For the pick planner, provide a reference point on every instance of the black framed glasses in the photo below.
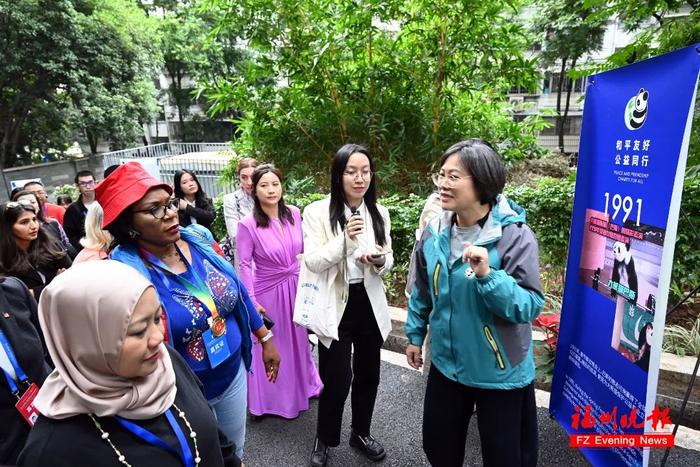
(158, 211)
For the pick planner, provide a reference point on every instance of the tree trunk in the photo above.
(12, 133)
(373, 145)
(16, 137)
(566, 108)
(3, 153)
(180, 107)
(338, 105)
(439, 79)
(560, 121)
(92, 141)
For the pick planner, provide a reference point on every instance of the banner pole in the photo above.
(697, 361)
(696, 289)
(682, 411)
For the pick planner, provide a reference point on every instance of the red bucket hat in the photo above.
(124, 187)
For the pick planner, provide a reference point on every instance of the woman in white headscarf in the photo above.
(118, 396)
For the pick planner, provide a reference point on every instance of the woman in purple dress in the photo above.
(271, 237)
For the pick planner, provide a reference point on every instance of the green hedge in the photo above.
(686, 274)
(548, 202)
(404, 212)
(548, 205)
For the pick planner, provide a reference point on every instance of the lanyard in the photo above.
(21, 375)
(185, 453)
(199, 290)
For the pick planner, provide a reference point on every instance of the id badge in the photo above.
(217, 348)
(25, 405)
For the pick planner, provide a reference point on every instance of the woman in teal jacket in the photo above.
(475, 280)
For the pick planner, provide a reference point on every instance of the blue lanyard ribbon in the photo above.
(21, 375)
(185, 453)
(197, 288)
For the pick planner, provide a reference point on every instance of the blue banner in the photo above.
(634, 145)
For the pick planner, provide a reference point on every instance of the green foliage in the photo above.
(395, 283)
(685, 274)
(406, 77)
(189, 58)
(549, 204)
(681, 340)
(404, 212)
(182, 35)
(70, 66)
(37, 58)
(47, 130)
(301, 201)
(218, 227)
(68, 189)
(658, 28)
(544, 363)
(120, 58)
(567, 30)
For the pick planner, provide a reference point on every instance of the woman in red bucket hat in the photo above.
(210, 314)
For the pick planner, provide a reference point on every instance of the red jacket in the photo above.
(55, 211)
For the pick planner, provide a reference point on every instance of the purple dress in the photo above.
(273, 285)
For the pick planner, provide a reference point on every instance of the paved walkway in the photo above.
(272, 441)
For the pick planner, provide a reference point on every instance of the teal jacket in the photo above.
(480, 327)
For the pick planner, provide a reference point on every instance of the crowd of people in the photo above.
(154, 342)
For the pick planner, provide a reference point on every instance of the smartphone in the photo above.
(381, 253)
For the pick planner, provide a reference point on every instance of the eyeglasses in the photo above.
(87, 184)
(158, 212)
(364, 175)
(448, 180)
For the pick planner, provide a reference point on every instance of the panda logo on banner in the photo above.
(636, 110)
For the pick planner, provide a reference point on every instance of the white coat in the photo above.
(323, 250)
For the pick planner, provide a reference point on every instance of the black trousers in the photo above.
(507, 421)
(357, 331)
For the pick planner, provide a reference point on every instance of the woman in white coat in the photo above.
(350, 232)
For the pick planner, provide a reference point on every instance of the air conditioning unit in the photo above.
(516, 100)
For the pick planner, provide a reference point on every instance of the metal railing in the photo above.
(206, 160)
(571, 142)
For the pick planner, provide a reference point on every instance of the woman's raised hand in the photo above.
(355, 226)
(478, 258)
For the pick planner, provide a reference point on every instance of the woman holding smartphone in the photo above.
(350, 232)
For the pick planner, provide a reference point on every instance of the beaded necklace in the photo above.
(122, 458)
